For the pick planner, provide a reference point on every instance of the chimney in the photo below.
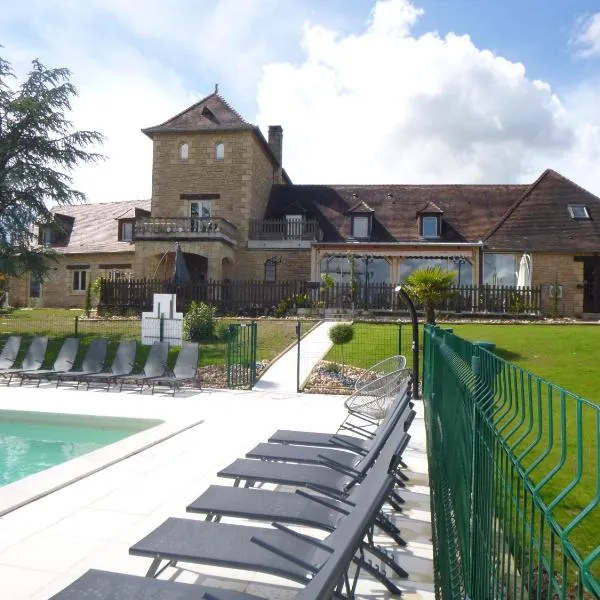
(276, 145)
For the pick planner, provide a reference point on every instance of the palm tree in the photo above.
(430, 287)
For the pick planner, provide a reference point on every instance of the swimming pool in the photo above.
(31, 442)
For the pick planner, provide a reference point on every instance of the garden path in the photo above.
(281, 375)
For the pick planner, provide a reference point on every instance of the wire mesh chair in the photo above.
(374, 398)
(383, 367)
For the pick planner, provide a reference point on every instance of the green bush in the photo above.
(342, 333)
(222, 331)
(283, 307)
(199, 322)
(333, 367)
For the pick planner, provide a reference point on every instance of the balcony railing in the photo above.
(160, 228)
(284, 229)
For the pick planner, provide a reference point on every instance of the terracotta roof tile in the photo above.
(96, 228)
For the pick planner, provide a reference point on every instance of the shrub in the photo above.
(199, 322)
(283, 307)
(87, 304)
(332, 368)
(342, 333)
(222, 331)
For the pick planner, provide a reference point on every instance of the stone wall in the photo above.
(291, 265)
(549, 269)
(57, 290)
(242, 179)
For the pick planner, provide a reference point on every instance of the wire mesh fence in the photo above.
(338, 366)
(515, 478)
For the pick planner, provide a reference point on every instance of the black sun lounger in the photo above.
(184, 371)
(105, 585)
(9, 353)
(301, 507)
(331, 480)
(93, 362)
(64, 362)
(122, 364)
(155, 366)
(361, 442)
(33, 359)
(278, 550)
(331, 580)
(343, 458)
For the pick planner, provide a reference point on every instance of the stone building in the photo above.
(219, 189)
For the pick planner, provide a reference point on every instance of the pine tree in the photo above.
(38, 152)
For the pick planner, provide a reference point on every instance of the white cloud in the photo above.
(587, 36)
(385, 106)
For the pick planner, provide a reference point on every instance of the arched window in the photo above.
(271, 270)
(184, 151)
(220, 151)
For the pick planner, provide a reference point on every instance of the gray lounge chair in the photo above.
(184, 371)
(154, 367)
(93, 362)
(361, 442)
(301, 507)
(64, 362)
(10, 351)
(343, 457)
(279, 550)
(34, 358)
(106, 585)
(335, 480)
(122, 365)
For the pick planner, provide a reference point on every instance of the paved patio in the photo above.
(46, 544)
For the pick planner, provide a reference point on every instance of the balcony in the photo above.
(190, 228)
(283, 233)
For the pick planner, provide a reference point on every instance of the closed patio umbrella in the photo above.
(181, 275)
(524, 274)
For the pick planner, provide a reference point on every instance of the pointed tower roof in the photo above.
(212, 113)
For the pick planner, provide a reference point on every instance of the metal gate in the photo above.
(241, 355)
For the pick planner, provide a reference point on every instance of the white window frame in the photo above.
(220, 151)
(430, 219)
(356, 219)
(124, 224)
(579, 212)
(79, 280)
(184, 151)
(204, 209)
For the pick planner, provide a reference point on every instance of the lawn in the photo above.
(273, 336)
(567, 355)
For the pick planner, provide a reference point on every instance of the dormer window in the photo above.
(430, 221)
(430, 226)
(220, 151)
(126, 230)
(361, 226)
(184, 150)
(579, 212)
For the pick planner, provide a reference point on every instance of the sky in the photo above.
(387, 91)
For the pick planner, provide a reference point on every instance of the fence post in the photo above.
(399, 338)
(161, 328)
(298, 332)
(253, 354)
(76, 325)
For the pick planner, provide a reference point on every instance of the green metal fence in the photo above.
(515, 478)
(241, 355)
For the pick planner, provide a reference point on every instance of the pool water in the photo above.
(31, 442)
